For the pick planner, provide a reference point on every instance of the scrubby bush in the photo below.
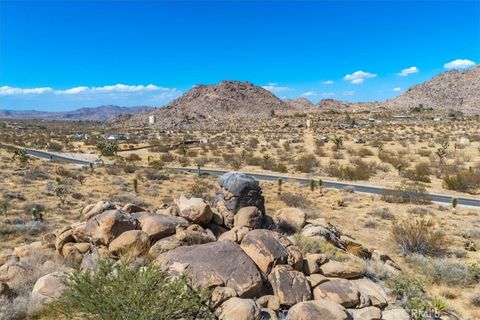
(306, 163)
(358, 170)
(295, 200)
(466, 180)
(383, 213)
(127, 291)
(107, 148)
(407, 192)
(133, 157)
(419, 236)
(421, 172)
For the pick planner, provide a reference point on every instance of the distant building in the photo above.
(151, 119)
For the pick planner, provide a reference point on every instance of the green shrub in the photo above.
(127, 291)
(107, 148)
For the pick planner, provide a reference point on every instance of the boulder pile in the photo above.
(231, 247)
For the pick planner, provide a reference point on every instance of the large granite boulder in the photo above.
(195, 210)
(238, 191)
(48, 288)
(238, 309)
(221, 263)
(317, 309)
(269, 248)
(159, 226)
(104, 227)
(340, 291)
(132, 242)
(290, 286)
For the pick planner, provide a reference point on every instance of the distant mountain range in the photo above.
(101, 113)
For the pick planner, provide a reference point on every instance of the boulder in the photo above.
(105, 227)
(292, 217)
(195, 210)
(133, 242)
(91, 261)
(93, 210)
(373, 291)
(340, 270)
(71, 253)
(48, 240)
(317, 309)
(132, 208)
(63, 238)
(238, 191)
(238, 309)
(269, 301)
(290, 286)
(368, 313)
(48, 288)
(5, 290)
(340, 291)
(159, 226)
(316, 279)
(27, 249)
(78, 232)
(268, 248)
(249, 217)
(312, 262)
(164, 245)
(221, 263)
(219, 295)
(236, 234)
(189, 237)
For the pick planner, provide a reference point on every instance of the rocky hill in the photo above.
(207, 106)
(300, 104)
(449, 91)
(252, 265)
(332, 104)
(101, 113)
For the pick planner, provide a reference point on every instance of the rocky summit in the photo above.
(211, 105)
(250, 266)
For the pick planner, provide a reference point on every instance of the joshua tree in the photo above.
(107, 148)
(454, 202)
(21, 154)
(61, 191)
(198, 169)
(280, 182)
(320, 184)
(90, 165)
(135, 185)
(37, 213)
(442, 151)
(4, 206)
(338, 141)
(312, 185)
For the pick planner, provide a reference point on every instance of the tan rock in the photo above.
(317, 309)
(368, 313)
(190, 237)
(293, 217)
(5, 290)
(312, 262)
(290, 286)
(249, 217)
(220, 294)
(195, 210)
(340, 270)
(105, 227)
(27, 249)
(71, 253)
(48, 288)
(340, 291)
(132, 242)
(132, 208)
(164, 245)
(238, 309)
(373, 291)
(395, 314)
(159, 226)
(236, 234)
(269, 301)
(63, 238)
(220, 263)
(48, 240)
(316, 279)
(93, 210)
(78, 232)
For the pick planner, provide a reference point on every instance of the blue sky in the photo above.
(61, 55)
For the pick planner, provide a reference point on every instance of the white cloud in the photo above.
(328, 82)
(349, 93)
(73, 90)
(328, 94)
(359, 76)
(405, 72)
(9, 91)
(309, 94)
(397, 89)
(459, 64)
(274, 88)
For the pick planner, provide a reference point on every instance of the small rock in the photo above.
(369, 313)
(340, 270)
(269, 301)
(133, 242)
(340, 291)
(317, 309)
(238, 309)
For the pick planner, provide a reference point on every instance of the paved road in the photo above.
(444, 199)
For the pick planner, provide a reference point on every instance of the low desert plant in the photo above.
(419, 236)
(130, 291)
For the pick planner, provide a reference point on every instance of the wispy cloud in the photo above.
(359, 76)
(328, 94)
(328, 82)
(405, 72)
(459, 64)
(309, 94)
(117, 88)
(275, 88)
(8, 91)
(349, 93)
(397, 89)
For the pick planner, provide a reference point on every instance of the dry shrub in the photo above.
(421, 172)
(419, 236)
(464, 180)
(358, 170)
(306, 163)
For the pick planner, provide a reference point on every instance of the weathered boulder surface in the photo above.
(269, 248)
(368, 313)
(317, 309)
(159, 226)
(340, 291)
(290, 286)
(293, 217)
(221, 263)
(395, 314)
(95, 209)
(250, 217)
(341, 270)
(195, 210)
(48, 288)
(105, 227)
(373, 291)
(135, 242)
(238, 309)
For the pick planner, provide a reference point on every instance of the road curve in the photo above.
(444, 199)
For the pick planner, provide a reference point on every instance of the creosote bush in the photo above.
(419, 236)
(129, 291)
